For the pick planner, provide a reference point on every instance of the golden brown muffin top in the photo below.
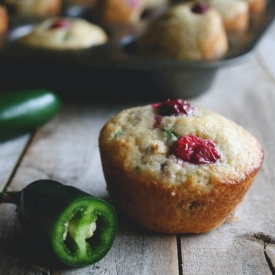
(182, 33)
(229, 9)
(140, 141)
(65, 33)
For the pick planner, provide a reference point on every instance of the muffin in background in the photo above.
(235, 14)
(65, 33)
(256, 6)
(4, 19)
(35, 8)
(191, 30)
(174, 168)
(119, 11)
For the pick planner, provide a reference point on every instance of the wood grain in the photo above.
(10, 152)
(265, 52)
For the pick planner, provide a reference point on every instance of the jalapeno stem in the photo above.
(10, 197)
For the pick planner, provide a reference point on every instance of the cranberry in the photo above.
(60, 23)
(195, 150)
(200, 8)
(174, 107)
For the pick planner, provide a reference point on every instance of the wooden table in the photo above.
(66, 149)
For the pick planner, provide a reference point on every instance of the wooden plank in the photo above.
(223, 252)
(270, 252)
(10, 152)
(244, 94)
(10, 241)
(67, 150)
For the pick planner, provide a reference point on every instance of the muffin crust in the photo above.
(76, 34)
(164, 194)
(180, 33)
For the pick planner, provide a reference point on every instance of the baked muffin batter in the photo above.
(234, 13)
(65, 33)
(4, 19)
(170, 186)
(256, 6)
(185, 31)
(119, 11)
(35, 7)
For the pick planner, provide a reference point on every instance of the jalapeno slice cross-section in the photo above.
(80, 227)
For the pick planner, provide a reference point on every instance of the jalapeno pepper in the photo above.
(80, 227)
(25, 110)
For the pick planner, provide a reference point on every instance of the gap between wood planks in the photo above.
(18, 161)
(259, 237)
(266, 240)
(179, 255)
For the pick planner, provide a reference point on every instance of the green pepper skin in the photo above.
(25, 110)
(46, 206)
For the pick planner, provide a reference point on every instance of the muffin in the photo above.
(119, 11)
(4, 19)
(65, 33)
(174, 168)
(35, 7)
(256, 6)
(190, 30)
(234, 13)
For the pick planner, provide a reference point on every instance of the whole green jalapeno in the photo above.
(79, 226)
(25, 110)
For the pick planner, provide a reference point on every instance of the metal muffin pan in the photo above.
(115, 70)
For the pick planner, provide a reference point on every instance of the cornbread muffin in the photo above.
(174, 168)
(65, 33)
(256, 6)
(185, 31)
(4, 19)
(234, 13)
(35, 7)
(119, 11)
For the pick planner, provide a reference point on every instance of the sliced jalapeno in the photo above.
(80, 227)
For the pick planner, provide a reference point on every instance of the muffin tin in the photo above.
(115, 70)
